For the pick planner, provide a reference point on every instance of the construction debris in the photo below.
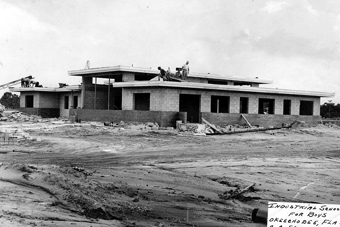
(212, 126)
(237, 193)
(19, 117)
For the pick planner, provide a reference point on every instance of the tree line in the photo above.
(330, 110)
(10, 101)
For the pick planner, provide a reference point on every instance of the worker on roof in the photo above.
(178, 73)
(162, 73)
(26, 81)
(185, 69)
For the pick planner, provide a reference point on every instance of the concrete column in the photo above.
(253, 104)
(36, 100)
(82, 94)
(316, 106)
(278, 106)
(108, 95)
(205, 102)
(295, 108)
(127, 99)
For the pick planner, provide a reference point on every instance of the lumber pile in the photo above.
(232, 129)
(237, 193)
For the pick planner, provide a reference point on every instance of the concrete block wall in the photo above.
(49, 100)
(43, 112)
(100, 93)
(158, 98)
(101, 100)
(234, 104)
(36, 98)
(163, 118)
(162, 99)
(91, 91)
(127, 99)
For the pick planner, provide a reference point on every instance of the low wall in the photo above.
(163, 118)
(264, 120)
(326, 121)
(43, 112)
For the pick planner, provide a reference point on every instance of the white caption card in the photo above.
(302, 215)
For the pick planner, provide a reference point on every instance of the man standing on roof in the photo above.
(185, 69)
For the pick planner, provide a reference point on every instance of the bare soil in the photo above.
(87, 175)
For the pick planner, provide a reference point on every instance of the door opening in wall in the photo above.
(266, 106)
(116, 98)
(191, 105)
(29, 101)
(66, 102)
(287, 107)
(244, 103)
(75, 102)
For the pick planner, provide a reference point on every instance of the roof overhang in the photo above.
(104, 72)
(45, 89)
(190, 85)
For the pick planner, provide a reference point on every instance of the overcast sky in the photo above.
(293, 42)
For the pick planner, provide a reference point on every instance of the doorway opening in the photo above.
(191, 105)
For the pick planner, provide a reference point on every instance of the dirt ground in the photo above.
(88, 175)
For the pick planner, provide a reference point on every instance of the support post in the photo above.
(108, 95)
(95, 93)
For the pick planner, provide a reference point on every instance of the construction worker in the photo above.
(185, 69)
(161, 73)
(178, 73)
(26, 81)
(169, 74)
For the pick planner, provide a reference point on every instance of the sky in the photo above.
(295, 43)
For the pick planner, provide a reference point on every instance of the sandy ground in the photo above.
(84, 175)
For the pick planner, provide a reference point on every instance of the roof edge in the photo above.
(150, 70)
(191, 85)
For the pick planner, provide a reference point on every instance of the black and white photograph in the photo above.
(159, 113)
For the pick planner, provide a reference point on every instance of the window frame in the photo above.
(220, 104)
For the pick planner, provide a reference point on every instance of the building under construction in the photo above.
(136, 94)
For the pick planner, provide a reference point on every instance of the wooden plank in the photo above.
(211, 126)
(246, 120)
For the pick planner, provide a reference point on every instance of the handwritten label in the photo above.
(302, 215)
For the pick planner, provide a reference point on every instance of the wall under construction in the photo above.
(43, 112)
(264, 120)
(163, 118)
(168, 99)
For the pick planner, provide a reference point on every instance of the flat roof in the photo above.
(120, 68)
(46, 89)
(205, 86)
